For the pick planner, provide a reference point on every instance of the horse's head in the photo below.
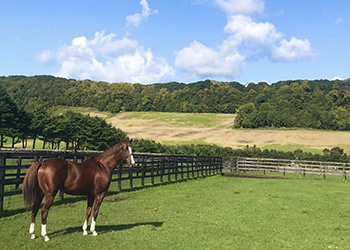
(126, 152)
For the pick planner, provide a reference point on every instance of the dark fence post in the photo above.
(152, 170)
(162, 167)
(131, 177)
(2, 180)
(206, 166)
(182, 158)
(120, 175)
(202, 167)
(18, 174)
(175, 167)
(168, 167)
(143, 169)
(197, 166)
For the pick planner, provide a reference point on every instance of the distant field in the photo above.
(203, 128)
(193, 128)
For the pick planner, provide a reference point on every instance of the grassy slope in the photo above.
(188, 128)
(211, 213)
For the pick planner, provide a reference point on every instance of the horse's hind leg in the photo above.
(35, 209)
(49, 198)
(90, 201)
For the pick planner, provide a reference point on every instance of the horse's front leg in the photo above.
(98, 201)
(90, 201)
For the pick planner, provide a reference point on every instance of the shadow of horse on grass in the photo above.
(106, 228)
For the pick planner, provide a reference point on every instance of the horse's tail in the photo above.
(30, 187)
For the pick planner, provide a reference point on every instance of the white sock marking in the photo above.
(85, 227)
(92, 227)
(31, 228)
(43, 232)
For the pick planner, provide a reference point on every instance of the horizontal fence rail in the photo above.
(167, 168)
(258, 165)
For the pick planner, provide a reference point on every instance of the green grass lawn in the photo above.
(181, 119)
(211, 213)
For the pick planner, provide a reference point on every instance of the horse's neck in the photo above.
(108, 160)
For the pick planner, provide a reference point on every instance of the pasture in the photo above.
(203, 128)
(206, 213)
(197, 128)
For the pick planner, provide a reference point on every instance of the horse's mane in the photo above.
(111, 151)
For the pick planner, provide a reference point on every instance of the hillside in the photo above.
(206, 128)
(175, 128)
(317, 104)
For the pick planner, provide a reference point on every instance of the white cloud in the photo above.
(292, 50)
(339, 20)
(337, 78)
(107, 58)
(246, 7)
(199, 60)
(244, 28)
(137, 18)
(247, 40)
(45, 56)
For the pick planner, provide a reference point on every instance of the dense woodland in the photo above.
(24, 104)
(74, 130)
(319, 104)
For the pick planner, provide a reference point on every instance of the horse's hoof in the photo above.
(85, 232)
(46, 239)
(32, 236)
(94, 233)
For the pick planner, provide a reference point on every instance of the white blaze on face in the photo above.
(132, 157)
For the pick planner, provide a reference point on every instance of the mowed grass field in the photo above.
(211, 213)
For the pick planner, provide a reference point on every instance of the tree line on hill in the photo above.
(24, 102)
(331, 155)
(318, 104)
(70, 130)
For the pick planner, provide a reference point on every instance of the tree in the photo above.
(39, 120)
(9, 118)
(245, 116)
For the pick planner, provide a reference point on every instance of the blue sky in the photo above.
(151, 41)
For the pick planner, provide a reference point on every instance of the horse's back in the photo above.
(73, 178)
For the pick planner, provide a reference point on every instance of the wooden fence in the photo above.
(263, 165)
(167, 168)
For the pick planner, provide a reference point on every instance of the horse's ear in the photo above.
(131, 141)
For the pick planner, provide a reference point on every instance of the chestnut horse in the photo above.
(91, 177)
